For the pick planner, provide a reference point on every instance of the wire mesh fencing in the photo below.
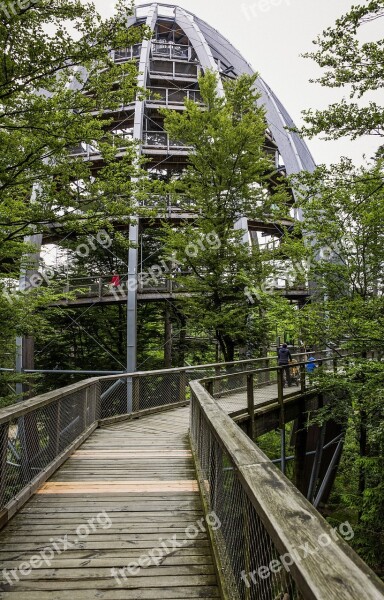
(244, 546)
(270, 542)
(35, 436)
(121, 395)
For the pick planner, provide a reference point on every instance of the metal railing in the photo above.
(272, 543)
(169, 96)
(100, 287)
(169, 203)
(149, 389)
(160, 139)
(173, 69)
(124, 54)
(172, 51)
(37, 435)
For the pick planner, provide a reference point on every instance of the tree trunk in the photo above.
(363, 446)
(167, 337)
(227, 346)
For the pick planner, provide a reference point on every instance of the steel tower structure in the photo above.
(182, 46)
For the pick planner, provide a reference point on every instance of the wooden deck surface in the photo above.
(238, 400)
(132, 487)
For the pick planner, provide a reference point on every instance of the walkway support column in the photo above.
(133, 252)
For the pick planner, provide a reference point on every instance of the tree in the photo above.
(354, 65)
(343, 224)
(229, 175)
(57, 78)
(51, 88)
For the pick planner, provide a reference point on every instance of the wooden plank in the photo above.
(153, 593)
(142, 413)
(103, 487)
(167, 581)
(141, 473)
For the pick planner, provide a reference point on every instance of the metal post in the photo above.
(132, 309)
(134, 227)
(317, 459)
(328, 474)
(251, 407)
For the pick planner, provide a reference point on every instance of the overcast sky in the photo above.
(271, 35)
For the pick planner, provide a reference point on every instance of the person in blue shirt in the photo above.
(311, 366)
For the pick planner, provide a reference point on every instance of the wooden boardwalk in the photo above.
(231, 403)
(129, 494)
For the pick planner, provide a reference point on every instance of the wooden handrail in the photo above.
(22, 408)
(335, 571)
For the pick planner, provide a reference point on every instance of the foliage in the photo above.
(350, 63)
(343, 221)
(228, 175)
(56, 79)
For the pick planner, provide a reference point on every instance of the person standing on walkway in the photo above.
(115, 281)
(284, 358)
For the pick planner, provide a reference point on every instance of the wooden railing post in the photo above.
(210, 387)
(301, 438)
(251, 407)
(280, 395)
(303, 384)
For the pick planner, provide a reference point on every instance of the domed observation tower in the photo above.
(182, 46)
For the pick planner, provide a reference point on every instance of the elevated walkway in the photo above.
(97, 290)
(137, 481)
(141, 486)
